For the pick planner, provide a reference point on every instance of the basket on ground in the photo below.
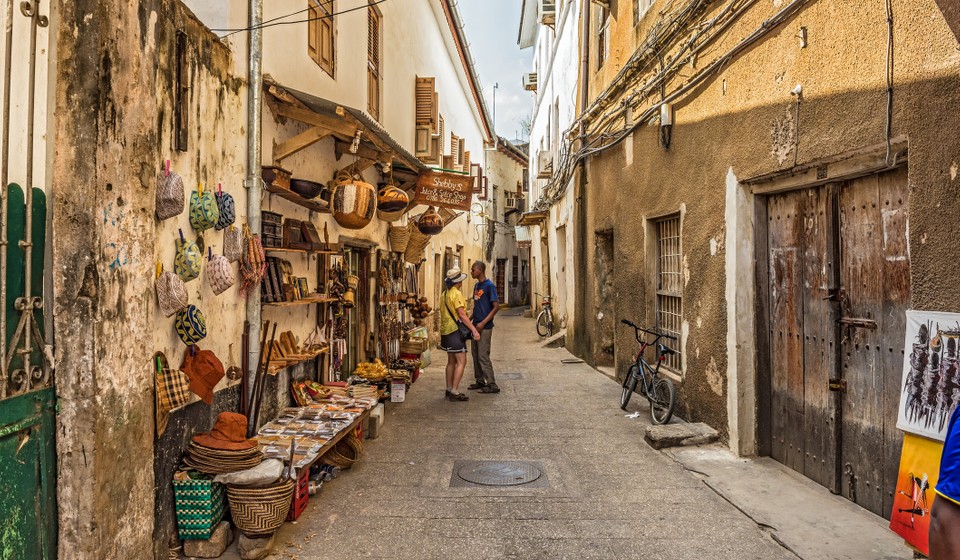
(200, 505)
(259, 512)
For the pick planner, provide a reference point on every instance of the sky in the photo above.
(492, 27)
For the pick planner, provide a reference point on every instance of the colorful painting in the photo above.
(931, 373)
(919, 468)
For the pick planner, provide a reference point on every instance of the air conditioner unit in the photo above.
(510, 201)
(530, 81)
(545, 164)
(548, 12)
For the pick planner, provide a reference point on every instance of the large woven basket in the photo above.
(259, 512)
(391, 216)
(416, 245)
(399, 237)
(345, 453)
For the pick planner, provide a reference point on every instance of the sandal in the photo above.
(458, 397)
(490, 389)
(475, 386)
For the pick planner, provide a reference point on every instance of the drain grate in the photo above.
(527, 474)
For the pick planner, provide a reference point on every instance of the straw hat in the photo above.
(454, 276)
(229, 434)
(205, 370)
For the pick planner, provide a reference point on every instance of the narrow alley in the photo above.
(606, 493)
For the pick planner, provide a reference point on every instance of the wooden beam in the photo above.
(342, 148)
(335, 126)
(306, 138)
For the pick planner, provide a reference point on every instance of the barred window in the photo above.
(669, 282)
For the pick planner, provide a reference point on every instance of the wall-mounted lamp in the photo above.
(666, 125)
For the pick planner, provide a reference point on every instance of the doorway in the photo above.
(560, 305)
(603, 351)
(837, 290)
(500, 282)
(355, 262)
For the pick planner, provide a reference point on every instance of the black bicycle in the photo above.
(659, 391)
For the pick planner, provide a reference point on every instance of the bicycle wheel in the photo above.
(629, 386)
(543, 324)
(662, 401)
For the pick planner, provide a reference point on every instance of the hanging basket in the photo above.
(391, 216)
(353, 202)
(392, 199)
(415, 245)
(430, 222)
(399, 237)
(259, 512)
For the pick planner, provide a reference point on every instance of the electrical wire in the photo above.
(273, 22)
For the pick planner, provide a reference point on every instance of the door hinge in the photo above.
(839, 385)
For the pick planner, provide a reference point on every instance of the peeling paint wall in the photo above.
(114, 111)
(743, 121)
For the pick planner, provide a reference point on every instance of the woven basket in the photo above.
(391, 216)
(259, 512)
(399, 237)
(345, 453)
(354, 203)
(416, 245)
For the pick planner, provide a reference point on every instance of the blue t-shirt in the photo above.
(948, 485)
(484, 296)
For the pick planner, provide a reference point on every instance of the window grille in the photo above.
(669, 305)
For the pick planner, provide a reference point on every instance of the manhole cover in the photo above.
(499, 473)
(509, 376)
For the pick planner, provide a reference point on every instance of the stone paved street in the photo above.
(609, 494)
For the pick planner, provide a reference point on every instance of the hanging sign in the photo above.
(445, 190)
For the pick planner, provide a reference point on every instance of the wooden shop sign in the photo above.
(445, 190)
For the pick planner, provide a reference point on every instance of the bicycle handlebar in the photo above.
(542, 295)
(655, 333)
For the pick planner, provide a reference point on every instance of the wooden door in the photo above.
(875, 279)
(802, 331)
(500, 282)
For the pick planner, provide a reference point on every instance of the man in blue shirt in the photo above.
(486, 304)
(945, 514)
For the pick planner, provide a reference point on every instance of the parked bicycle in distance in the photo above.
(545, 326)
(660, 392)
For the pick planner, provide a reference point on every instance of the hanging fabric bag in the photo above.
(232, 243)
(219, 272)
(191, 325)
(203, 209)
(226, 208)
(171, 292)
(169, 194)
(188, 259)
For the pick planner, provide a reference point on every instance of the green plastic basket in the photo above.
(200, 505)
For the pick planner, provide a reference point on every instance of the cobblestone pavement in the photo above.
(609, 495)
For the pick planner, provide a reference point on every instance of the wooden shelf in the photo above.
(312, 205)
(307, 301)
(276, 366)
(309, 251)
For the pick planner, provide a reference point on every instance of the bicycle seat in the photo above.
(666, 350)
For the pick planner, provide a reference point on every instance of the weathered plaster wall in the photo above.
(505, 174)
(741, 123)
(114, 108)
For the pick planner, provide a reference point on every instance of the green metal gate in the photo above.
(28, 506)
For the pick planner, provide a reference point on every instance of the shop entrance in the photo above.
(837, 289)
(501, 283)
(27, 399)
(603, 351)
(356, 262)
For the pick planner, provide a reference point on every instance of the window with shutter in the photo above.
(373, 61)
(426, 99)
(454, 151)
(440, 134)
(465, 164)
(320, 33)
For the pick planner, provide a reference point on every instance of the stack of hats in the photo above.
(225, 449)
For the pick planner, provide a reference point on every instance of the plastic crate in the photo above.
(301, 495)
(200, 505)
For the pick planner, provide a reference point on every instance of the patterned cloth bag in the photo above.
(169, 194)
(232, 243)
(203, 209)
(172, 391)
(171, 293)
(188, 259)
(191, 325)
(226, 207)
(220, 273)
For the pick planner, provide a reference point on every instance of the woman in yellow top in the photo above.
(452, 313)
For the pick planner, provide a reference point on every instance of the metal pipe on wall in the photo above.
(253, 182)
(580, 193)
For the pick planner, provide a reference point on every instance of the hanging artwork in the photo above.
(913, 498)
(931, 373)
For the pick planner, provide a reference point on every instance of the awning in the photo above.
(532, 218)
(339, 121)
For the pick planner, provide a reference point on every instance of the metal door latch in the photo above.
(835, 294)
(858, 322)
(839, 385)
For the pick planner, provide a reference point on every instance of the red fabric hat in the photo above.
(229, 433)
(204, 370)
